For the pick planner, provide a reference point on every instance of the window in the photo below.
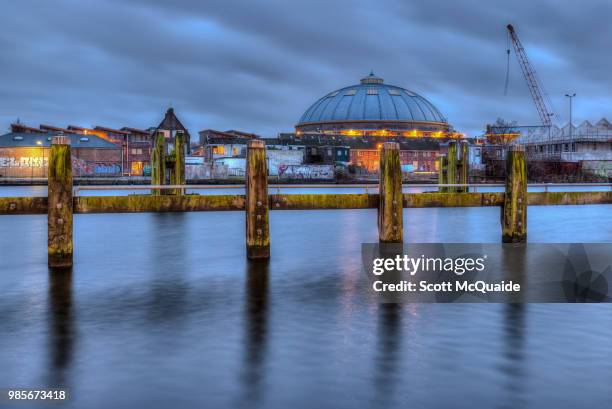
(333, 94)
(350, 92)
(372, 91)
(394, 91)
(573, 146)
(218, 150)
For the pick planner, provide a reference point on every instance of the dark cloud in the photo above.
(257, 66)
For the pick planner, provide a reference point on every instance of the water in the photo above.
(163, 310)
(14, 191)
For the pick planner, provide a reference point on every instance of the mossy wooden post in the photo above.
(390, 221)
(178, 175)
(59, 216)
(442, 167)
(463, 169)
(514, 210)
(257, 225)
(158, 163)
(451, 166)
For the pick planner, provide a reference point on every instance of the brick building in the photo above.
(134, 144)
(25, 155)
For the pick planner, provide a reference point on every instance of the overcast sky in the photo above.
(258, 65)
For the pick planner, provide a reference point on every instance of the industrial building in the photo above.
(134, 144)
(97, 151)
(25, 155)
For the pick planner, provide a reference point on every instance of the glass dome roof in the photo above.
(371, 100)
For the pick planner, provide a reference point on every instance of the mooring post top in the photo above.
(391, 145)
(256, 143)
(60, 139)
(517, 148)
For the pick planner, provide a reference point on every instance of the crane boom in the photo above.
(530, 76)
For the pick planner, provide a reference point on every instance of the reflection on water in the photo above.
(163, 310)
(388, 361)
(61, 322)
(255, 324)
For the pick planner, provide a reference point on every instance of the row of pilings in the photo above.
(391, 201)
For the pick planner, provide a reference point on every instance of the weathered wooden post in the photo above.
(514, 210)
(178, 175)
(257, 224)
(463, 169)
(59, 216)
(451, 166)
(390, 218)
(443, 166)
(158, 163)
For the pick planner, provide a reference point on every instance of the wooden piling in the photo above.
(451, 166)
(158, 163)
(256, 204)
(443, 166)
(178, 174)
(390, 219)
(514, 210)
(59, 209)
(463, 168)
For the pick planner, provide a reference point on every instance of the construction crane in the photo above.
(543, 106)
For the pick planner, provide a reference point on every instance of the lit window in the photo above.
(394, 91)
(350, 92)
(372, 91)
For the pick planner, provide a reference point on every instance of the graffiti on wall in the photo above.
(24, 162)
(306, 171)
(79, 166)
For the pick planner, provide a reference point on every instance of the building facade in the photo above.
(25, 155)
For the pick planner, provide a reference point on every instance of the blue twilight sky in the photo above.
(257, 65)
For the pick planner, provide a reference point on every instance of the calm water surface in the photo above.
(163, 310)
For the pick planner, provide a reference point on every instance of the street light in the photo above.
(571, 96)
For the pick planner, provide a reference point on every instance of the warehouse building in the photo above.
(25, 155)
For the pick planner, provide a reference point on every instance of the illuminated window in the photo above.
(350, 92)
(394, 91)
(372, 91)
(219, 150)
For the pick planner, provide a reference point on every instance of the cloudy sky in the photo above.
(258, 65)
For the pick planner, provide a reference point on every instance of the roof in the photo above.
(111, 130)
(22, 139)
(372, 100)
(171, 122)
(135, 130)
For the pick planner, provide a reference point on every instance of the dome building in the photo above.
(373, 108)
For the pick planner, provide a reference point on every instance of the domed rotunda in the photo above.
(373, 108)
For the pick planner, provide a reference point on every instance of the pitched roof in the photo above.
(171, 122)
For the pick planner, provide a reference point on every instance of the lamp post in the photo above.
(571, 96)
